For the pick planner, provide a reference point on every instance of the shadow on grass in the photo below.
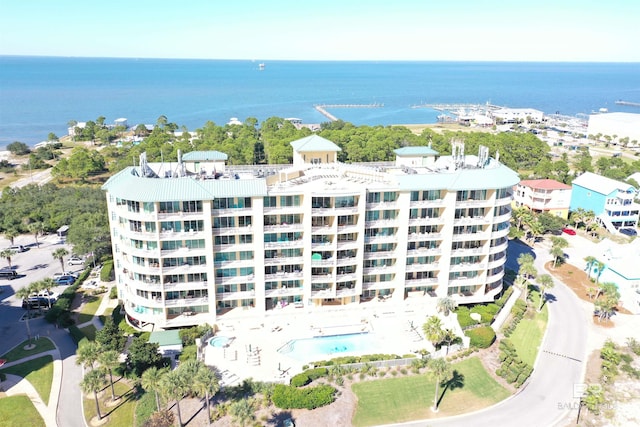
(456, 381)
(131, 394)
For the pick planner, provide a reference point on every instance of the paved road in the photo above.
(548, 398)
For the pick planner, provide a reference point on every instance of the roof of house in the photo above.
(415, 151)
(199, 156)
(166, 338)
(544, 184)
(314, 143)
(600, 184)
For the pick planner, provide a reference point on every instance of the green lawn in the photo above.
(527, 336)
(90, 307)
(42, 345)
(396, 400)
(18, 411)
(120, 415)
(39, 372)
(89, 331)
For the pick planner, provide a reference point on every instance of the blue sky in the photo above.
(541, 30)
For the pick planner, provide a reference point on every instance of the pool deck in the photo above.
(253, 352)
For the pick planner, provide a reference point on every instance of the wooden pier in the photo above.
(321, 108)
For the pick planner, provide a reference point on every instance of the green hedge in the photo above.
(288, 397)
(59, 312)
(481, 337)
(345, 360)
(517, 313)
(307, 376)
(512, 368)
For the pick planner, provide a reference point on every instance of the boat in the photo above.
(261, 66)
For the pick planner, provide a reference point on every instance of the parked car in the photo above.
(18, 248)
(64, 273)
(35, 302)
(569, 231)
(7, 273)
(50, 295)
(75, 260)
(65, 280)
(628, 231)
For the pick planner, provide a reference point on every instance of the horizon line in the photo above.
(321, 60)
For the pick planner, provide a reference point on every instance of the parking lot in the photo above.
(34, 264)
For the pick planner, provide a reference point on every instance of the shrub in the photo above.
(481, 337)
(288, 397)
(307, 376)
(160, 419)
(464, 317)
(113, 293)
(188, 352)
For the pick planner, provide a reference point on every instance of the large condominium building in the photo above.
(196, 239)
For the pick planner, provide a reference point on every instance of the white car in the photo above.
(75, 261)
(64, 273)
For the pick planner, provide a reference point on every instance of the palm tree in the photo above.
(433, 330)
(545, 282)
(110, 360)
(448, 336)
(59, 254)
(599, 267)
(152, 380)
(175, 385)
(557, 253)
(24, 294)
(93, 382)
(242, 411)
(446, 305)
(206, 383)
(526, 271)
(10, 234)
(591, 260)
(36, 228)
(441, 370)
(7, 254)
(87, 353)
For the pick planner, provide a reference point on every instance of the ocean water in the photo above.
(39, 95)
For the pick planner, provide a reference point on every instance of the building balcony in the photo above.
(143, 253)
(284, 244)
(371, 286)
(381, 206)
(347, 292)
(245, 211)
(232, 231)
(422, 267)
(283, 210)
(500, 248)
(322, 246)
(186, 302)
(472, 203)
(427, 203)
(378, 223)
(382, 269)
(495, 277)
(423, 252)
(236, 263)
(185, 286)
(185, 269)
(234, 280)
(465, 237)
(320, 262)
(381, 254)
(346, 277)
(345, 261)
(283, 292)
(504, 200)
(467, 251)
(145, 302)
(464, 281)
(176, 216)
(282, 260)
(496, 263)
(471, 220)
(324, 229)
(325, 293)
(468, 266)
(426, 221)
(283, 275)
(173, 235)
(425, 281)
(351, 228)
(182, 252)
(144, 285)
(143, 315)
(422, 237)
(235, 247)
(322, 278)
(502, 218)
(380, 239)
(283, 228)
(347, 244)
(227, 296)
(500, 233)
(137, 233)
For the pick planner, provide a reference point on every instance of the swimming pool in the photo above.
(310, 349)
(219, 341)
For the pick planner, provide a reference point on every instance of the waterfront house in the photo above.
(544, 195)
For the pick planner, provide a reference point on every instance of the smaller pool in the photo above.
(219, 341)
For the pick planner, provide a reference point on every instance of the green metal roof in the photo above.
(461, 179)
(128, 186)
(415, 151)
(201, 156)
(314, 143)
(164, 338)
